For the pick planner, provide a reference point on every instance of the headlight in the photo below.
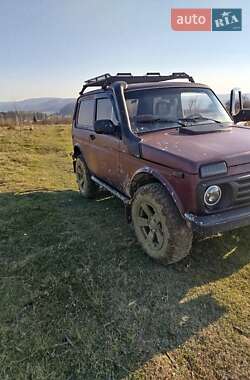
(212, 195)
(213, 169)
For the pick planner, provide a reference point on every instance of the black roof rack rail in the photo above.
(124, 74)
(107, 79)
(154, 73)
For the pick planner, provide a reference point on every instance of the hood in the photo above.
(188, 152)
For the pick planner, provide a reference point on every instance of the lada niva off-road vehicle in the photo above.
(170, 150)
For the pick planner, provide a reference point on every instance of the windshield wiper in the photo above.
(196, 118)
(149, 119)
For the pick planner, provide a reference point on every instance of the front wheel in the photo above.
(158, 225)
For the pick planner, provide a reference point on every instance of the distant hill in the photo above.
(45, 105)
(68, 109)
(61, 106)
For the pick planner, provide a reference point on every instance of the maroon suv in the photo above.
(170, 150)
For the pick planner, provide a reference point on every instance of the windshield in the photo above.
(154, 109)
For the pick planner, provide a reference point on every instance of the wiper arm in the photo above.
(194, 119)
(148, 119)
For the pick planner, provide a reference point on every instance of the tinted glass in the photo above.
(86, 113)
(105, 110)
(155, 109)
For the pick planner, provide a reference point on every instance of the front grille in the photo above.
(242, 191)
(235, 193)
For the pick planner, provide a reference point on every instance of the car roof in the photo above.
(168, 84)
(152, 85)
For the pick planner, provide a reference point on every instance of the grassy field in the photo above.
(80, 300)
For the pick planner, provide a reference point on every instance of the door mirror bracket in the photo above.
(242, 115)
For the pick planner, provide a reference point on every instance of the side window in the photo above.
(132, 106)
(85, 117)
(105, 110)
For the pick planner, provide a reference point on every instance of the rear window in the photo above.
(86, 114)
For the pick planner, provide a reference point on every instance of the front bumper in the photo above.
(223, 221)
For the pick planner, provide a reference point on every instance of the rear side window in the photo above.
(85, 117)
(105, 110)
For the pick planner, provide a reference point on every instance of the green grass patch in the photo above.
(80, 300)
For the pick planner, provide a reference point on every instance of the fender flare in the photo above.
(163, 181)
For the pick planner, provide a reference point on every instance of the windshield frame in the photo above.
(182, 89)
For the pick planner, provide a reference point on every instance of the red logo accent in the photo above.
(191, 19)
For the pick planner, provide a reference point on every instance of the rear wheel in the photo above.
(158, 225)
(87, 187)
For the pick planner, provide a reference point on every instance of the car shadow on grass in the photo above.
(86, 300)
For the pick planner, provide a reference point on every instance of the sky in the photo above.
(49, 47)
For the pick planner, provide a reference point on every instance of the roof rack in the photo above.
(107, 79)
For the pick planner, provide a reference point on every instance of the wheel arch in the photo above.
(77, 151)
(148, 175)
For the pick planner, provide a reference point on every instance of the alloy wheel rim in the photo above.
(150, 225)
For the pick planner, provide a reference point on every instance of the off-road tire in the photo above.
(87, 187)
(170, 238)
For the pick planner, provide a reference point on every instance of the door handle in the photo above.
(92, 137)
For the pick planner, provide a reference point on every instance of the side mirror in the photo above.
(235, 101)
(105, 127)
(236, 107)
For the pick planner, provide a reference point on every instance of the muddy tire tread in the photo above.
(180, 240)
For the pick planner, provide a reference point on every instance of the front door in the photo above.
(104, 149)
